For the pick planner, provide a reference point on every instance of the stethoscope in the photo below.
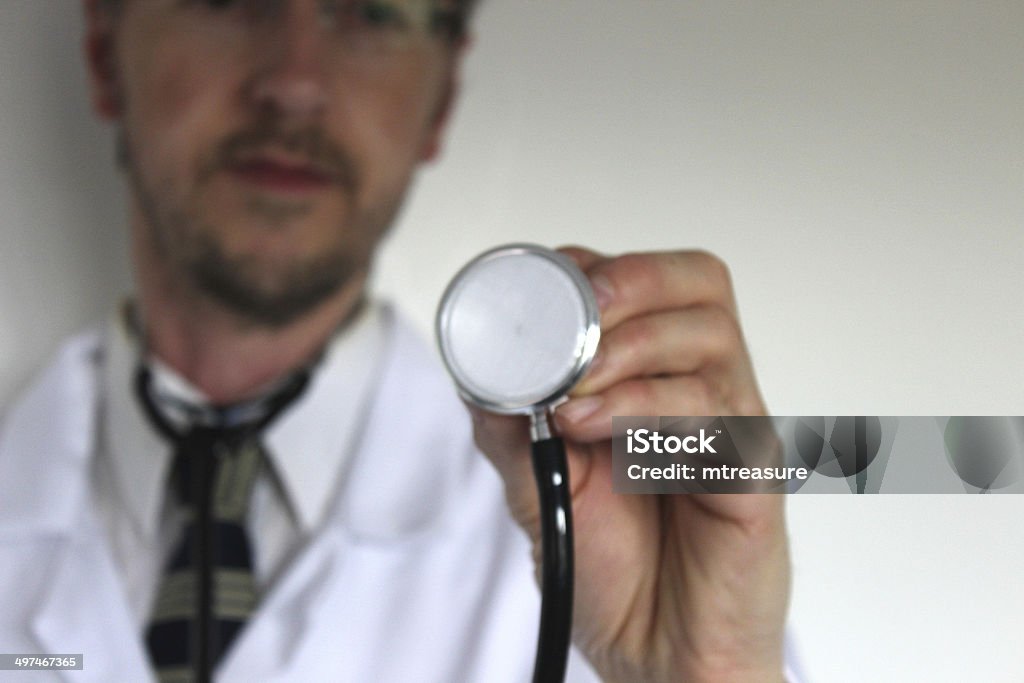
(518, 327)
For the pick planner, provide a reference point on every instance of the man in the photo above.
(268, 145)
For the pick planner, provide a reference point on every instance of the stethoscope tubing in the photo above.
(551, 472)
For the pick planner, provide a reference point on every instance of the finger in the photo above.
(634, 284)
(674, 342)
(506, 443)
(584, 258)
(589, 418)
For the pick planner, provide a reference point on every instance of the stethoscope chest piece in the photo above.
(518, 326)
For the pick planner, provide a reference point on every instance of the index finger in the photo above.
(641, 283)
(584, 258)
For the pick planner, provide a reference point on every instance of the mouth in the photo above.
(282, 175)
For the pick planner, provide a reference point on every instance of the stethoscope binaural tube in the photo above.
(518, 327)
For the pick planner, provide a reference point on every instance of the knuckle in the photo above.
(634, 269)
(637, 335)
(699, 397)
(724, 331)
(714, 270)
(638, 398)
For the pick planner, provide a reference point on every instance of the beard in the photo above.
(263, 290)
(242, 284)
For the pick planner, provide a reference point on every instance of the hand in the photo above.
(668, 588)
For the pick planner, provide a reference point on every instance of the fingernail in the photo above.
(572, 255)
(592, 372)
(602, 287)
(579, 409)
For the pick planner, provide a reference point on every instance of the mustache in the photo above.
(309, 145)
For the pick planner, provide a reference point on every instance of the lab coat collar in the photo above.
(307, 458)
(45, 443)
(399, 485)
(139, 457)
(311, 443)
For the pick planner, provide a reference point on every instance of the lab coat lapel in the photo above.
(45, 444)
(84, 611)
(271, 641)
(375, 515)
(45, 449)
(391, 493)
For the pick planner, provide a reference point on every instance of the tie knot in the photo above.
(203, 426)
(217, 441)
(217, 465)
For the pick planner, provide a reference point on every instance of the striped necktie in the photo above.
(208, 591)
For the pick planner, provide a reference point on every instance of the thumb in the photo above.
(505, 441)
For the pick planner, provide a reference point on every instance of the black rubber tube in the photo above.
(203, 472)
(555, 635)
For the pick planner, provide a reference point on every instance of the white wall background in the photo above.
(859, 164)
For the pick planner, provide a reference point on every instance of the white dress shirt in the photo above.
(290, 497)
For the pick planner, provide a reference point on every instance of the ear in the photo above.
(446, 103)
(101, 59)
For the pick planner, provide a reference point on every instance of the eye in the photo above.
(211, 5)
(376, 14)
(447, 22)
(249, 9)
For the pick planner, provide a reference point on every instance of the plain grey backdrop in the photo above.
(860, 166)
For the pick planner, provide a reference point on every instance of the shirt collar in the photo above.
(308, 445)
(312, 442)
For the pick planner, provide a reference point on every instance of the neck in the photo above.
(225, 356)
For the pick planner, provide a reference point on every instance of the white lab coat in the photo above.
(417, 575)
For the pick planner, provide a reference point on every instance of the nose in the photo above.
(290, 80)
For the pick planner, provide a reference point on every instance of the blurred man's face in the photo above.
(270, 142)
